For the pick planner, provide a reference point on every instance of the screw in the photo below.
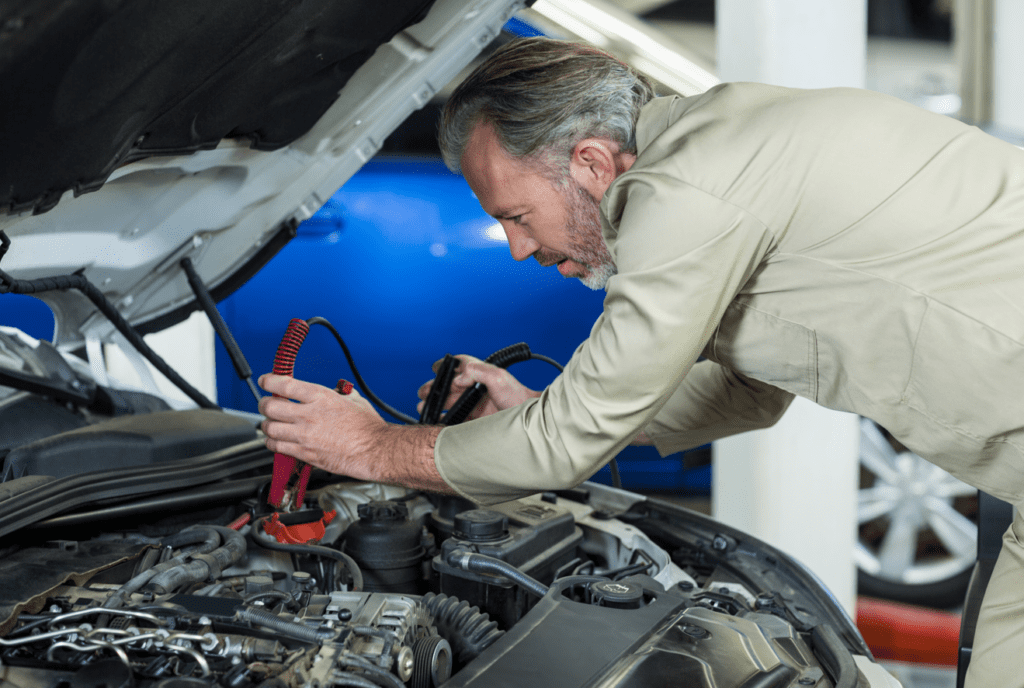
(807, 682)
(720, 543)
(694, 631)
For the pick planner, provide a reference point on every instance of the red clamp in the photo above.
(288, 483)
(291, 475)
(298, 533)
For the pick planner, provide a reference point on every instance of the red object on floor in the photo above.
(905, 633)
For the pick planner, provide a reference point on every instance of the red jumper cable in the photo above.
(290, 475)
(288, 483)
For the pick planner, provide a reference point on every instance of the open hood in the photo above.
(200, 131)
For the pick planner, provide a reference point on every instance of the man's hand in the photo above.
(345, 435)
(503, 390)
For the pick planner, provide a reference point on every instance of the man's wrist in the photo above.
(404, 455)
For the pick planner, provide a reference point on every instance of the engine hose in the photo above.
(468, 630)
(481, 563)
(292, 629)
(202, 567)
(208, 541)
(265, 540)
(465, 404)
(103, 304)
(373, 674)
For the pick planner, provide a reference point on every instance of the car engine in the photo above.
(383, 587)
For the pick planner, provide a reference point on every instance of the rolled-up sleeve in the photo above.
(682, 255)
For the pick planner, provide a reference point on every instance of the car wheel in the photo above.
(918, 529)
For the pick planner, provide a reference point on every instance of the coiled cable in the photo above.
(465, 404)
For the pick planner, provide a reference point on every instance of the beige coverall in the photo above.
(839, 245)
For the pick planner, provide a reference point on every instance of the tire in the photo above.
(917, 526)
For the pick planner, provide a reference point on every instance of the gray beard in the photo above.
(586, 241)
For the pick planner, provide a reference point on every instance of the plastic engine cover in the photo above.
(563, 643)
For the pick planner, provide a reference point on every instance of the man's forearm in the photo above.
(405, 456)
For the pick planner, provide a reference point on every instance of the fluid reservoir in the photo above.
(388, 548)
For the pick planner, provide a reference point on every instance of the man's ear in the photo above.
(596, 162)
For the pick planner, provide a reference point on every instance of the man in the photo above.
(838, 245)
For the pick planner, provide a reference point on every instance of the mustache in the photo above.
(548, 258)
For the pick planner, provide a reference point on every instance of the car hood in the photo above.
(145, 133)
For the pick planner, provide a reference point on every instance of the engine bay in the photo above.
(397, 588)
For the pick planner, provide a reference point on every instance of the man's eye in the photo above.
(517, 219)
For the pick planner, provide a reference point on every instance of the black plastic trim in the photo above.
(205, 496)
(765, 566)
(835, 657)
(66, 494)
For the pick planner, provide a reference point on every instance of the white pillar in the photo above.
(1008, 65)
(188, 347)
(794, 485)
(799, 43)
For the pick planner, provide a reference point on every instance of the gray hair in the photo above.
(542, 97)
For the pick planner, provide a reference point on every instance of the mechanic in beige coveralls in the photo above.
(839, 245)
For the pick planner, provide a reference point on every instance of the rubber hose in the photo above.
(291, 629)
(206, 538)
(379, 675)
(270, 542)
(348, 680)
(481, 563)
(468, 630)
(204, 566)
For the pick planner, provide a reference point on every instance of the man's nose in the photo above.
(520, 244)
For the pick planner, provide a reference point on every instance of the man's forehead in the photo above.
(484, 149)
(499, 180)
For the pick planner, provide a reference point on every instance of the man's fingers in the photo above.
(281, 431)
(279, 409)
(290, 388)
(292, 449)
(424, 389)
